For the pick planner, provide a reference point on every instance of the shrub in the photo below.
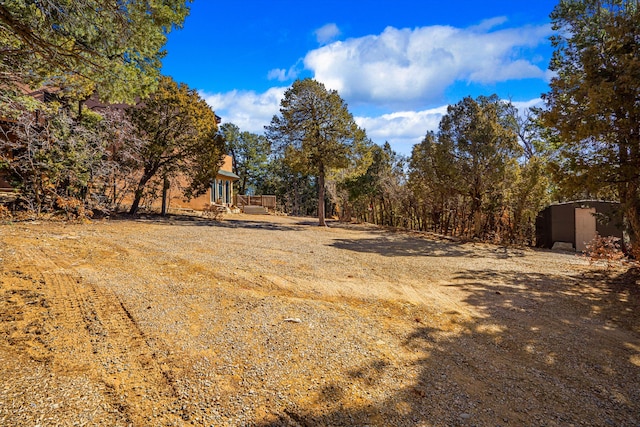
(606, 249)
(5, 213)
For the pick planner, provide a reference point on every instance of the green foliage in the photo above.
(295, 192)
(55, 160)
(375, 188)
(592, 108)
(249, 153)
(110, 47)
(527, 194)
(60, 160)
(201, 165)
(178, 134)
(314, 132)
(485, 149)
(434, 181)
(471, 177)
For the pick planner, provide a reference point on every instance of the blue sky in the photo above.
(397, 64)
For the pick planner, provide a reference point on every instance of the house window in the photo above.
(227, 192)
(220, 190)
(213, 193)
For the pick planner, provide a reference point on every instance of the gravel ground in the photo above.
(273, 321)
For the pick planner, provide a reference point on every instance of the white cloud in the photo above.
(524, 105)
(415, 66)
(327, 33)
(405, 129)
(282, 75)
(490, 23)
(402, 129)
(249, 110)
(252, 111)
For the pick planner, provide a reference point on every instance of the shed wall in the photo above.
(608, 220)
(563, 223)
(556, 223)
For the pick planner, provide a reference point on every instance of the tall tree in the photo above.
(485, 148)
(179, 134)
(530, 190)
(357, 185)
(249, 152)
(315, 131)
(435, 180)
(594, 102)
(112, 47)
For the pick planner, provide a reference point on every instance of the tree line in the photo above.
(488, 169)
(484, 173)
(481, 175)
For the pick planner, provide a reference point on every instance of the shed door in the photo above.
(585, 227)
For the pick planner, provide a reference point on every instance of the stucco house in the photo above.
(220, 191)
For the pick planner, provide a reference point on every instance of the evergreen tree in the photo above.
(113, 48)
(485, 151)
(593, 108)
(315, 132)
(249, 153)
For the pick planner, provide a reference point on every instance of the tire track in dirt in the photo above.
(94, 332)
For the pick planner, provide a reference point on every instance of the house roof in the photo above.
(228, 174)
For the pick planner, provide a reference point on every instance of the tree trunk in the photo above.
(629, 191)
(136, 200)
(165, 189)
(321, 219)
(630, 201)
(243, 185)
(138, 193)
(475, 214)
(36, 192)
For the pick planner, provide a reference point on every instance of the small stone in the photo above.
(465, 416)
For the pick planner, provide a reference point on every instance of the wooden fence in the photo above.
(264, 201)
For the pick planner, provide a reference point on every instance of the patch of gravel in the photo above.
(273, 321)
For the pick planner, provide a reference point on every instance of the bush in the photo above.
(606, 249)
(73, 208)
(5, 213)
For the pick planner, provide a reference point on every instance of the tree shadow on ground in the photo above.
(397, 245)
(599, 295)
(197, 221)
(333, 223)
(543, 350)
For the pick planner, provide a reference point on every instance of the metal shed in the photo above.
(576, 223)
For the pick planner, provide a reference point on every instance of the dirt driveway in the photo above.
(273, 321)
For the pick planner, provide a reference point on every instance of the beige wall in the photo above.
(228, 164)
(176, 198)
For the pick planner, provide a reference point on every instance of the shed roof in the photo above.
(584, 201)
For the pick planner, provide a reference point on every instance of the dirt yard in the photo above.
(273, 321)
